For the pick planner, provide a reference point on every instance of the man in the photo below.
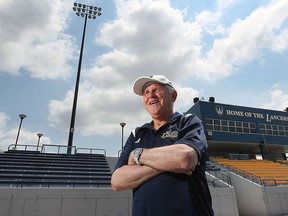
(164, 161)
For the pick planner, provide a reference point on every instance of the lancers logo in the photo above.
(172, 134)
(219, 110)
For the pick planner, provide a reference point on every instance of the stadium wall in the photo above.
(89, 202)
(253, 199)
(64, 202)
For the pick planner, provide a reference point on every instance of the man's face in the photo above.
(158, 101)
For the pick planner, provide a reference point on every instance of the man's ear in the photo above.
(174, 96)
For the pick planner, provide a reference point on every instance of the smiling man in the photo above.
(164, 161)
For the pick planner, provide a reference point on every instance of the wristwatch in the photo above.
(136, 154)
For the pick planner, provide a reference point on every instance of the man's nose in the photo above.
(151, 93)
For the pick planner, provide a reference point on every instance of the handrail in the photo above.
(20, 183)
(11, 147)
(119, 153)
(219, 175)
(58, 148)
(267, 179)
(91, 150)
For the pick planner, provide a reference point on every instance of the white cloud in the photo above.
(185, 98)
(225, 3)
(8, 135)
(155, 37)
(280, 42)
(278, 98)
(3, 119)
(244, 41)
(32, 38)
(149, 37)
(146, 37)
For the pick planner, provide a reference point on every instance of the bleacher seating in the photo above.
(283, 161)
(218, 176)
(263, 172)
(28, 169)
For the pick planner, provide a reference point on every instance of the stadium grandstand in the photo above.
(247, 170)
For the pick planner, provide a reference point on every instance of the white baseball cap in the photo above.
(142, 81)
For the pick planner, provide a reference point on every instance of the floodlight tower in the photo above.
(89, 12)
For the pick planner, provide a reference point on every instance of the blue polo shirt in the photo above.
(171, 194)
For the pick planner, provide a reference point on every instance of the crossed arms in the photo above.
(178, 158)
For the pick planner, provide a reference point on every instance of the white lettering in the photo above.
(258, 115)
(172, 134)
(234, 113)
(269, 118)
(248, 114)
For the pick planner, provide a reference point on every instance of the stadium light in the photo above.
(39, 136)
(122, 125)
(89, 12)
(22, 116)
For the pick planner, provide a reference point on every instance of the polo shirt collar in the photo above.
(173, 119)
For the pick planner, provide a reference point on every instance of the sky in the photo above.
(233, 50)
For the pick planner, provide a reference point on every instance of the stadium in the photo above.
(247, 169)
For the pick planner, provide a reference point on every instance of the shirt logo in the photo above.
(171, 134)
(138, 141)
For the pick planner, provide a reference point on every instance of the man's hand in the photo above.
(189, 172)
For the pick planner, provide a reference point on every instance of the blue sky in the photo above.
(236, 51)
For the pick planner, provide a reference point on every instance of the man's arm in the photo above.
(178, 158)
(129, 175)
(132, 176)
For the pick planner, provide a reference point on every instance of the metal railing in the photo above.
(55, 149)
(219, 178)
(23, 148)
(89, 151)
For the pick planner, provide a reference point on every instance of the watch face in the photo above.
(136, 152)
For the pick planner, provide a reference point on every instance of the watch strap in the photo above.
(137, 153)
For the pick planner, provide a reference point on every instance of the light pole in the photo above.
(90, 12)
(22, 116)
(39, 136)
(122, 125)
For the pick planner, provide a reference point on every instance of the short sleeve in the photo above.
(192, 133)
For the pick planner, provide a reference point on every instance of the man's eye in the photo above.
(154, 90)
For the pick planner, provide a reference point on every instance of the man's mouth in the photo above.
(153, 102)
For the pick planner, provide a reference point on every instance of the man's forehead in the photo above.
(152, 84)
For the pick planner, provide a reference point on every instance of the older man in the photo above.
(164, 161)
